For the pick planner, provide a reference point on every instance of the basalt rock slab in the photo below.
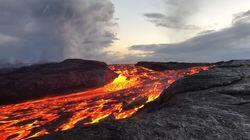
(211, 105)
(37, 81)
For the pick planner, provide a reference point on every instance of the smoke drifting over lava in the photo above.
(52, 30)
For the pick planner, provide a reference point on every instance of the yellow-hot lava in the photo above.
(121, 82)
(129, 92)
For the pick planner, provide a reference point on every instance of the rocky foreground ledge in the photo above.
(38, 81)
(211, 105)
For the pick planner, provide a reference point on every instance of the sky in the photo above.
(124, 31)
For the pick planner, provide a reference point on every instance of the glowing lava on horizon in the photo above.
(130, 91)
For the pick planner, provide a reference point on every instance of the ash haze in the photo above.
(124, 31)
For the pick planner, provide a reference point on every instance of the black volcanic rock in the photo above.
(50, 79)
(212, 105)
(160, 66)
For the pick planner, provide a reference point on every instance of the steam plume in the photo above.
(52, 30)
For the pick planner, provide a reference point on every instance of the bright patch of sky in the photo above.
(134, 28)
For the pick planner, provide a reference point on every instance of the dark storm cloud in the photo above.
(176, 16)
(226, 44)
(51, 30)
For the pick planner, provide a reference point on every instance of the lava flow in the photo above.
(130, 91)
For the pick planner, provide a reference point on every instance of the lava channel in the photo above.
(129, 92)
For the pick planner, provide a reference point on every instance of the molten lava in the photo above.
(129, 92)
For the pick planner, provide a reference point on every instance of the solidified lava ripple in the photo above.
(129, 92)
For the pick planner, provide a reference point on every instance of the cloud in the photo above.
(7, 39)
(176, 16)
(52, 30)
(226, 44)
(241, 17)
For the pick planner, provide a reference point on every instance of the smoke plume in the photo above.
(52, 30)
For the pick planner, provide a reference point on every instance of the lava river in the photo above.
(129, 92)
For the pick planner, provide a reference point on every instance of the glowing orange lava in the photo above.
(130, 91)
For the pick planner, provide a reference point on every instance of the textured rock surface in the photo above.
(52, 79)
(211, 105)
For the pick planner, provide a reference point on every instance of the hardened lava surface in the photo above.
(130, 91)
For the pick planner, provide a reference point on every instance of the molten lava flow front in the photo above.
(129, 92)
